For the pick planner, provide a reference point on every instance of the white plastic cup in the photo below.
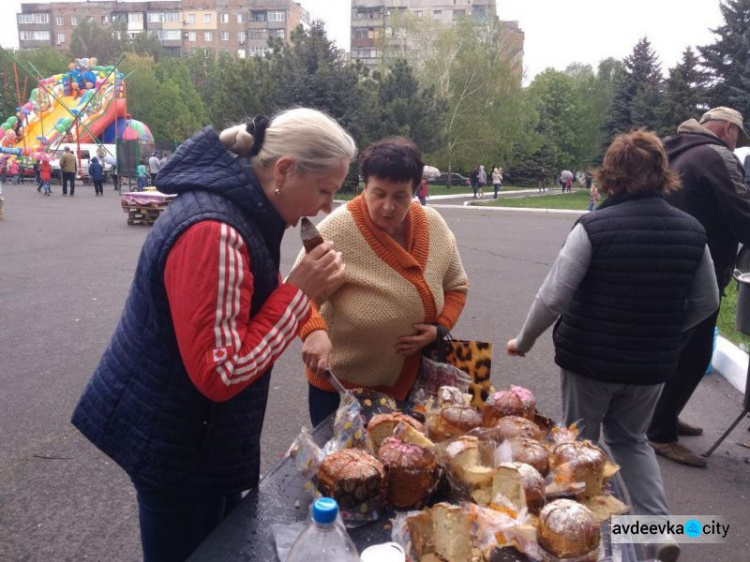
(386, 552)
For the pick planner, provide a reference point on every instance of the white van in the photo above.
(104, 152)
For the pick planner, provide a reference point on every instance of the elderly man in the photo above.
(154, 165)
(68, 168)
(714, 192)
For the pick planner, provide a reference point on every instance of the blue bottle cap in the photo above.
(325, 510)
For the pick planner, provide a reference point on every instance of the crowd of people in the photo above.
(211, 312)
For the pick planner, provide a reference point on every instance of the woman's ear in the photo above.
(282, 169)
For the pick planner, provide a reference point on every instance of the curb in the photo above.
(731, 363)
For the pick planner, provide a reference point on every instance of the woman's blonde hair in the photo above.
(637, 163)
(315, 141)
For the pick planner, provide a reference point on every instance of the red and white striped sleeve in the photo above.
(210, 288)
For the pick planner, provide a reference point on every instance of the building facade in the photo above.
(237, 27)
(376, 33)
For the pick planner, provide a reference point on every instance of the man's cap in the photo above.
(732, 116)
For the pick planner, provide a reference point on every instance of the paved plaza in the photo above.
(65, 268)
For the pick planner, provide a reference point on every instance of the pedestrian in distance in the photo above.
(621, 299)
(14, 172)
(154, 165)
(497, 179)
(68, 168)
(179, 396)
(594, 196)
(37, 177)
(542, 180)
(716, 194)
(141, 176)
(423, 191)
(474, 180)
(45, 176)
(481, 181)
(96, 171)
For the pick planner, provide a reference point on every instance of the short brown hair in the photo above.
(636, 163)
(394, 159)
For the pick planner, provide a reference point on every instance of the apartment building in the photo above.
(375, 26)
(238, 27)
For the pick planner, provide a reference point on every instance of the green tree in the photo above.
(637, 95)
(408, 109)
(236, 89)
(684, 93)
(727, 61)
(105, 43)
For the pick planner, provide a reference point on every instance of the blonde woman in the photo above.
(179, 396)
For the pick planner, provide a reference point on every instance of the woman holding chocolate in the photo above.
(404, 282)
(179, 396)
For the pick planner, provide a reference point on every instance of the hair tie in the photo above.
(257, 128)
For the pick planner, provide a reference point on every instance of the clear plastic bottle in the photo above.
(325, 538)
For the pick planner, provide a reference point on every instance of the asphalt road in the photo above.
(65, 268)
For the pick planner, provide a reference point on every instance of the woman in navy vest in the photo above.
(179, 396)
(632, 277)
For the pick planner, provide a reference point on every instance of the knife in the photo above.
(335, 382)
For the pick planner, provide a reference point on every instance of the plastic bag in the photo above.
(307, 456)
(349, 428)
(433, 375)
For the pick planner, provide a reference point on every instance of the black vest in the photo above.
(625, 321)
(140, 407)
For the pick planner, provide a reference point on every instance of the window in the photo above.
(276, 16)
(240, 53)
(240, 19)
(420, 14)
(171, 17)
(257, 16)
(33, 18)
(224, 18)
(73, 21)
(225, 36)
(105, 20)
(277, 33)
(258, 34)
(168, 34)
(241, 36)
(206, 18)
(60, 38)
(191, 36)
(59, 20)
(458, 14)
(135, 17)
(208, 36)
(258, 51)
(191, 18)
(172, 51)
(155, 17)
(437, 14)
(34, 35)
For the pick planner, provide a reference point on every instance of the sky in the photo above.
(558, 32)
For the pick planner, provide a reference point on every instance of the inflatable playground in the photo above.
(87, 104)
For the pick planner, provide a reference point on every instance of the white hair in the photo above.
(315, 141)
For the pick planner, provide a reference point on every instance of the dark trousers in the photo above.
(98, 187)
(691, 367)
(497, 188)
(153, 178)
(69, 177)
(321, 404)
(173, 524)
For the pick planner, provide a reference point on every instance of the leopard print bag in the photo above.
(473, 358)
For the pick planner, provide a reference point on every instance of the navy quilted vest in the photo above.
(624, 324)
(140, 407)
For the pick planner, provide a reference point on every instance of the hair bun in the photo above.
(257, 128)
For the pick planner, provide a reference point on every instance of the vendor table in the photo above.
(280, 498)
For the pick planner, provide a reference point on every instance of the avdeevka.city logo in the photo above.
(650, 529)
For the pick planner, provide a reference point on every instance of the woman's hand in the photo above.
(318, 271)
(316, 351)
(409, 345)
(513, 349)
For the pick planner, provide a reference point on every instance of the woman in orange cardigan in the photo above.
(404, 281)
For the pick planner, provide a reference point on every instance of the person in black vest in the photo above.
(715, 193)
(629, 281)
(179, 396)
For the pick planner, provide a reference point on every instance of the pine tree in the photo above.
(684, 94)
(637, 93)
(727, 61)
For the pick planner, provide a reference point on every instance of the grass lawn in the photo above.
(577, 200)
(437, 189)
(727, 315)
